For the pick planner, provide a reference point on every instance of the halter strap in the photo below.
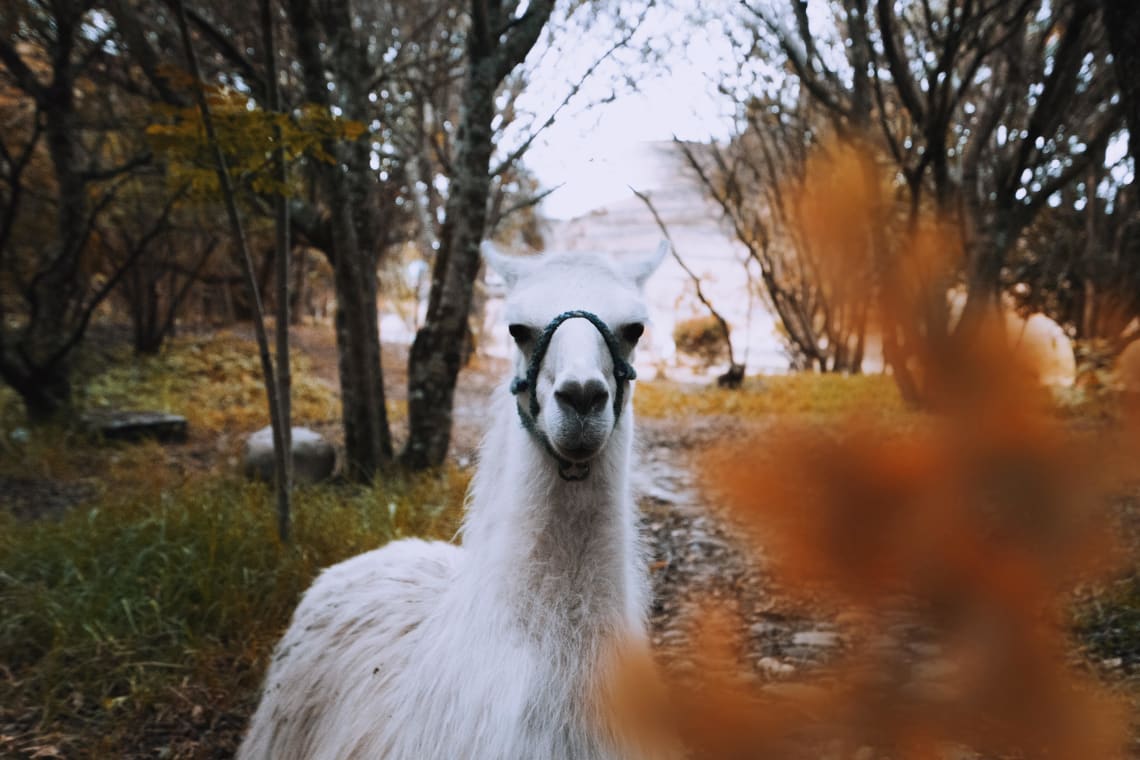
(623, 373)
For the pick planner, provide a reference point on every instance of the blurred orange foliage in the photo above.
(965, 528)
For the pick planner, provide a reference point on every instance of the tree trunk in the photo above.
(435, 360)
(986, 239)
(983, 280)
(44, 391)
(368, 443)
(436, 356)
(1122, 18)
(39, 368)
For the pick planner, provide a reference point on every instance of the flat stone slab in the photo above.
(314, 458)
(42, 498)
(134, 426)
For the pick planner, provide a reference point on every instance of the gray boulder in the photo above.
(314, 458)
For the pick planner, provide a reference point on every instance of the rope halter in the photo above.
(623, 373)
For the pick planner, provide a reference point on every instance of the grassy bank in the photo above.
(138, 616)
(121, 609)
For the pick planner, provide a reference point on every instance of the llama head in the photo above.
(577, 382)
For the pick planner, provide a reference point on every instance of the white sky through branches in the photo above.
(592, 153)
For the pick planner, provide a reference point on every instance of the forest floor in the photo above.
(197, 708)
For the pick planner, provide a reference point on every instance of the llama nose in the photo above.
(584, 398)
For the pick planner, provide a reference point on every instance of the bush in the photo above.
(701, 338)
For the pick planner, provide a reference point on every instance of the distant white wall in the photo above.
(706, 244)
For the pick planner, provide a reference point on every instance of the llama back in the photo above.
(351, 634)
(374, 666)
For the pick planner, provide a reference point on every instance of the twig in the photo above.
(238, 231)
(724, 328)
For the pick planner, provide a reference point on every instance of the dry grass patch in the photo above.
(761, 396)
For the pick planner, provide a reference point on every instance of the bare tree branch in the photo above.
(726, 332)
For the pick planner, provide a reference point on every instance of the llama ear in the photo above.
(639, 268)
(510, 268)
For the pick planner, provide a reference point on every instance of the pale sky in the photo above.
(588, 152)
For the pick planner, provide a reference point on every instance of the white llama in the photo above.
(493, 651)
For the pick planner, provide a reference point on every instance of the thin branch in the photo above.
(798, 57)
(521, 38)
(22, 75)
(284, 381)
(14, 178)
(525, 203)
(267, 369)
(102, 175)
(1078, 163)
(221, 41)
(518, 152)
(896, 63)
(86, 311)
(724, 328)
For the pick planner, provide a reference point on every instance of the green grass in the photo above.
(110, 608)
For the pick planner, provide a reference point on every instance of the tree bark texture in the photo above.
(368, 444)
(37, 365)
(435, 360)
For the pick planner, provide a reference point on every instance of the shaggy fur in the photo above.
(492, 651)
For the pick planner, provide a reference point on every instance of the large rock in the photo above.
(314, 458)
(137, 425)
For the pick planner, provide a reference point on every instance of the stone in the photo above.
(137, 425)
(821, 639)
(314, 458)
(774, 667)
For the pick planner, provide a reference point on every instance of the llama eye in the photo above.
(632, 331)
(521, 333)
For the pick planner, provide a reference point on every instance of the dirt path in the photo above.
(697, 564)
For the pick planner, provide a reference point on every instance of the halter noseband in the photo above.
(623, 373)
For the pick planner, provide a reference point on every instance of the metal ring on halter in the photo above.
(623, 373)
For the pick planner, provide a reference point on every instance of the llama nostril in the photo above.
(584, 398)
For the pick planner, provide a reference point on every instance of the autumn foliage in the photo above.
(947, 542)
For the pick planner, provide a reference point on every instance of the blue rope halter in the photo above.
(623, 373)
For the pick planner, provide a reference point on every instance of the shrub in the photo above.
(701, 338)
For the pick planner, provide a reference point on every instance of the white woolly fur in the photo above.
(489, 651)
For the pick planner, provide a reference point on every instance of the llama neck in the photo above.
(561, 555)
